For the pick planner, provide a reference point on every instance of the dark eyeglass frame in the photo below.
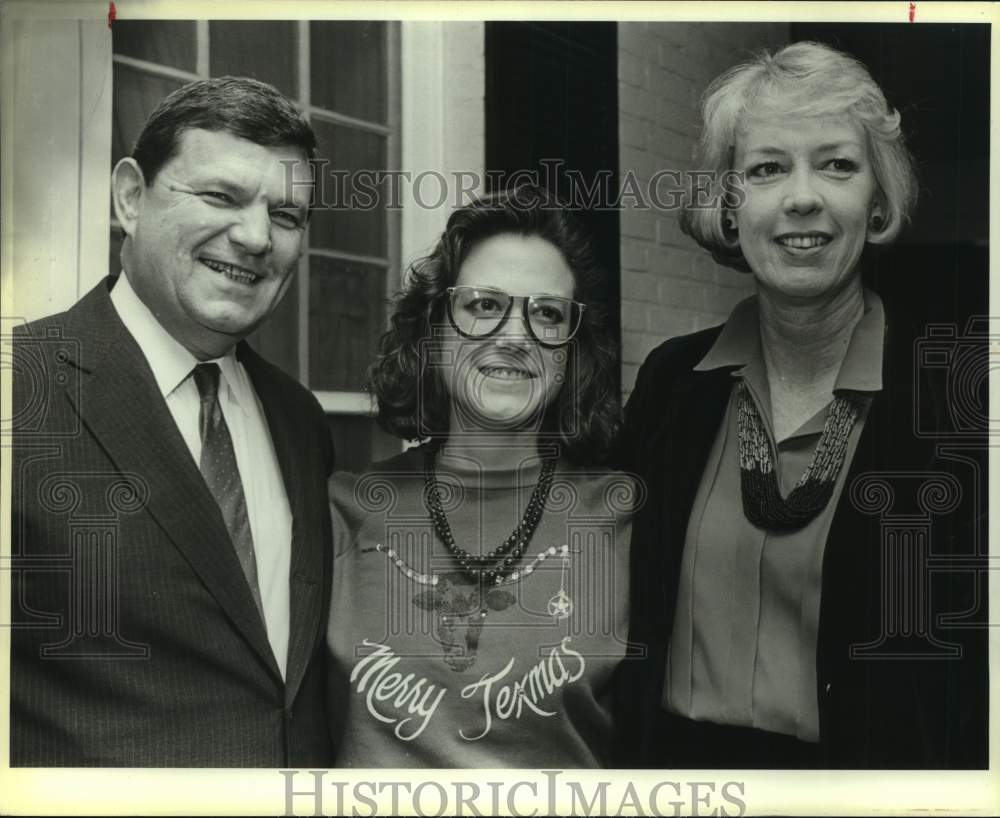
(525, 299)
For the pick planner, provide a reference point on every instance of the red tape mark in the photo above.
(113, 13)
(913, 11)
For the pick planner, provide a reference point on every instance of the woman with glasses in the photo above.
(480, 593)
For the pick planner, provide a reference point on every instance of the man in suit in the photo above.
(171, 539)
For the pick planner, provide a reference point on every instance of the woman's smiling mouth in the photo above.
(803, 241)
(506, 373)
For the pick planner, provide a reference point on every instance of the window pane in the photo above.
(349, 68)
(250, 48)
(361, 227)
(345, 320)
(136, 95)
(277, 339)
(168, 42)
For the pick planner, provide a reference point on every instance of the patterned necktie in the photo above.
(218, 466)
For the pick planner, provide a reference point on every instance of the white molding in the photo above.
(202, 60)
(443, 119)
(57, 98)
(95, 153)
(304, 91)
(158, 69)
(346, 403)
(374, 261)
(333, 118)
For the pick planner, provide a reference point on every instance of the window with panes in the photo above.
(343, 76)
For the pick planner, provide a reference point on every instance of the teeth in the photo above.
(230, 272)
(504, 373)
(803, 242)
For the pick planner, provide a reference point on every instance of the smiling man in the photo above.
(186, 633)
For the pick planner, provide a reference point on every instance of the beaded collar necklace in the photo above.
(498, 563)
(763, 504)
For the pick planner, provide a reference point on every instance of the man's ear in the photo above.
(127, 189)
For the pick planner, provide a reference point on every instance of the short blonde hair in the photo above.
(802, 79)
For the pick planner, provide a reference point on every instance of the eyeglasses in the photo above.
(479, 312)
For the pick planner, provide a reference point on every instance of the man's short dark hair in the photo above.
(240, 106)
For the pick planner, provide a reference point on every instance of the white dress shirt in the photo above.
(267, 502)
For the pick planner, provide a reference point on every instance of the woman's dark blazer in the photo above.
(901, 678)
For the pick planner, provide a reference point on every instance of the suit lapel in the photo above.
(120, 404)
(296, 460)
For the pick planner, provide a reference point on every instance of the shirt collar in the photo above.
(739, 342)
(738, 345)
(169, 360)
(236, 378)
(861, 370)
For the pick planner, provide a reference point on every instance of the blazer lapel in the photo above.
(296, 460)
(677, 425)
(120, 404)
(697, 404)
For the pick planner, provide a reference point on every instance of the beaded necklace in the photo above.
(498, 563)
(763, 504)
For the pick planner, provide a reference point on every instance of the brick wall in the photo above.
(670, 286)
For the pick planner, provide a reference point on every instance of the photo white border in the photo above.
(255, 792)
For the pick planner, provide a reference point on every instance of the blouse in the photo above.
(743, 647)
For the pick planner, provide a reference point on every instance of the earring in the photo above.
(729, 221)
(876, 221)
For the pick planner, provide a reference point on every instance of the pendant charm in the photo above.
(560, 606)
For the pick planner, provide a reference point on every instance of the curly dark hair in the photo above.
(412, 400)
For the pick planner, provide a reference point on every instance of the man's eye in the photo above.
(218, 196)
(765, 170)
(286, 219)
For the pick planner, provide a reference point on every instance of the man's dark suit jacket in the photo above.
(136, 642)
(898, 684)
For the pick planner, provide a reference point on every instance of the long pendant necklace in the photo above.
(763, 504)
(493, 566)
